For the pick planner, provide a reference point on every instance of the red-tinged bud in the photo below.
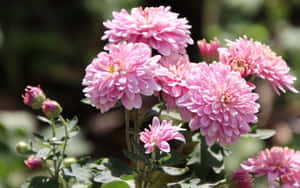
(34, 162)
(22, 147)
(34, 97)
(51, 108)
(209, 51)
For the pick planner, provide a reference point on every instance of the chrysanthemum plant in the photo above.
(203, 107)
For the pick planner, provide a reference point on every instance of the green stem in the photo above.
(127, 127)
(66, 139)
(54, 150)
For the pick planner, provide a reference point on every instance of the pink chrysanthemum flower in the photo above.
(291, 180)
(252, 57)
(209, 50)
(125, 73)
(172, 77)
(159, 134)
(276, 162)
(156, 26)
(220, 102)
(244, 179)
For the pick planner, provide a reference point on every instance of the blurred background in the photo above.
(49, 43)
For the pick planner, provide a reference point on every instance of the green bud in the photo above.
(22, 147)
(69, 161)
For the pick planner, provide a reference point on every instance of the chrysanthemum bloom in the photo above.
(159, 134)
(209, 50)
(252, 57)
(220, 102)
(125, 73)
(275, 163)
(156, 26)
(291, 180)
(34, 97)
(34, 162)
(172, 77)
(51, 108)
(244, 179)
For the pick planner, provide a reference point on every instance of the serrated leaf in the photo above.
(116, 184)
(81, 173)
(261, 134)
(173, 171)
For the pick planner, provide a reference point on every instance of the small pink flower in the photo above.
(172, 77)
(209, 51)
(159, 134)
(250, 57)
(156, 26)
(124, 73)
(244, 179)
(220, 103)
(276, 163)
(34, 162)
(34, 97)
(51, 108)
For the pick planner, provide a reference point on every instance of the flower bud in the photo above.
(22, 147)
(34, 162)
(209, 51)
(34, 97)
(51, 108)
(69, 161)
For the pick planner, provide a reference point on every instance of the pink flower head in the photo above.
(34, 97)
(275, 163)
(244, 179)
(172, 77)
(34, 162)
(209, 51)
(252, 57)
(156, 26)
(51, 108)
(125, 73)
(159, 134)
(220, 102)
(291, 180)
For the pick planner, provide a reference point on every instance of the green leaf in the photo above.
(133, 156)
(195, 156)
(41, 137)
(128, 177)
(43, 152)
(41, 182)
(173, 171)
(260, 134)
(176, 158)
(44, 119)
(86, 101)
(81, 173)
(116, 184)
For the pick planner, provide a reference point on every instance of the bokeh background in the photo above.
(50, 43)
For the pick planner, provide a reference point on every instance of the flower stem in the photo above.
(127, 126)
(54, 150)
(66, 139)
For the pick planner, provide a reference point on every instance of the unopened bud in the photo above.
(34, 97)
(209, 51)
(51, 108)
(22, 147)
(69, 161)
(34, 162)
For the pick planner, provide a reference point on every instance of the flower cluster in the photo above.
(281, 165)
(215, 98)
(159, 133)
